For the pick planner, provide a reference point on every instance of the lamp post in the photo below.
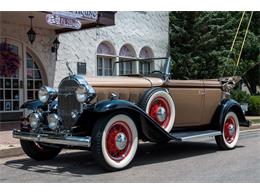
(31, 33)
(55, 46)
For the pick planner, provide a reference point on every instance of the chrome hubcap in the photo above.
(231, 128)
(121, 141)
(161, 114)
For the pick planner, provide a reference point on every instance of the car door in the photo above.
(188, 96)
(212, 99)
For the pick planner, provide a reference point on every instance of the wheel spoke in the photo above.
(160, 103)
(114, 150)
(230, 129)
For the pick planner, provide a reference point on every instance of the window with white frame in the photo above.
(145, 66)
(105, 59)
(126, 53)
(34, 78)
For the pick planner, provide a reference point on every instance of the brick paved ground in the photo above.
(6, 133)
(7, 139)
(7, 126)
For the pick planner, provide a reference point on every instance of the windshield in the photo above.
(141, 67)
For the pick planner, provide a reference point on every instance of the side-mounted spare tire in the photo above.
(159, 105)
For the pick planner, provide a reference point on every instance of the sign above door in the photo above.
(62, 21)
(82, 15)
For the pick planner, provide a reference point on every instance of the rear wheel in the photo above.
(114, 141)
(230, 132)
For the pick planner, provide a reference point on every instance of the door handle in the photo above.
(202, 92)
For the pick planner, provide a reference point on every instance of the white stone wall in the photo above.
(41, 47)
(138, 29)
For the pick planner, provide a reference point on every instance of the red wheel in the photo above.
(118, 141)
(230, 132)
(159, 110)
(114, 141)
(230, 129)
(160, 106)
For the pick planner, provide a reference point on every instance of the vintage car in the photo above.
(109, 115)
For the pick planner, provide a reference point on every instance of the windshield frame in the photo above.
(166, 69)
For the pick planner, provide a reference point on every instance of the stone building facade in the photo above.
(89, 52)
(133, 31)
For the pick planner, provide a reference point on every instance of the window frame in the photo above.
(103, 68)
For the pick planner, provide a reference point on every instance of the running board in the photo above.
(186, 135)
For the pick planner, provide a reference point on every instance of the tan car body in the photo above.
(135, 107)
(196, 100)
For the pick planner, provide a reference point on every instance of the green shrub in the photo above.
(240, 96)
(254, 106)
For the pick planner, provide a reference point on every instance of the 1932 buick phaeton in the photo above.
(109, 115)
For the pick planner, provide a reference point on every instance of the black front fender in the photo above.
(32, 105)
(226, 106)
(150, 129)
(36, 104)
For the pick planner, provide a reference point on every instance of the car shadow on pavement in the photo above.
(80, 163)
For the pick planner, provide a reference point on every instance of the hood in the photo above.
(124, 81)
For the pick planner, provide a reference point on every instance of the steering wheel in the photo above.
(156, 71)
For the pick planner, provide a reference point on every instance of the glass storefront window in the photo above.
(34, 78)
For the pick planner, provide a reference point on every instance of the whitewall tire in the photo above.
(159, 105)
(230, 132)
(114, 141)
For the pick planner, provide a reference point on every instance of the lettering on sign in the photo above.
(83, 15)
(62, 21)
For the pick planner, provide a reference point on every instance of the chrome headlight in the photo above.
(34, 120)
(46, 94)
(82, 93)
(53, 121)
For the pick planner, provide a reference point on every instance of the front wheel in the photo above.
(39, 151)
(114, 141)
(230, 132)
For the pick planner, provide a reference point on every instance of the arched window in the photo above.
(34, 78)
(20, 84)
(9, 80)
(126, 53)
(145, 66)
(105, 59)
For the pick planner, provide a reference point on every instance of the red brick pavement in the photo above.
(6, 133)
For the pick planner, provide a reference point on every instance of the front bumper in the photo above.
(53, 139)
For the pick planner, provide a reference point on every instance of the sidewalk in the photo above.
(11, 147)
(8, 145)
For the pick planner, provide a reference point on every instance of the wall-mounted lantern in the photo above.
(55, 46)
(31, 33)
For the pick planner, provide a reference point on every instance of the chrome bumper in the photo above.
(53, 139)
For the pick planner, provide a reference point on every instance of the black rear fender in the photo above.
(226, 106)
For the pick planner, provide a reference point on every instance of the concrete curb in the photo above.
(10, 150)
(253, 126)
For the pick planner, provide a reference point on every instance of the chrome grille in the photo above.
(67, 102)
